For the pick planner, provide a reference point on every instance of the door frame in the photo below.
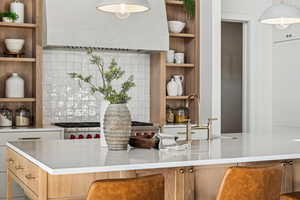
(245, 70)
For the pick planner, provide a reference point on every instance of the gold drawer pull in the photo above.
(11, 161)
(181, 171)
(19, 167)
(29, 176)
(32, 138)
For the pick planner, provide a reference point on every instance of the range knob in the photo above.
(80, 137)
(72, 137)
(89, 136)
(97, 136)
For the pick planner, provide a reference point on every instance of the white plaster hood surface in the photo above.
(77, 23)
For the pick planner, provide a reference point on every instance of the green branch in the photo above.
(114, 73)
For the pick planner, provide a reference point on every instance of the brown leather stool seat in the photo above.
(144, 188)
(251, 183)
(291, 196)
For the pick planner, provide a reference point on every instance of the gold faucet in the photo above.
(189, 127)
(207, 127)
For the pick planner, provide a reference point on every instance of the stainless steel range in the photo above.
(91, 130)
(81, 130)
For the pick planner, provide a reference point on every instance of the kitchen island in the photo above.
(64, 169)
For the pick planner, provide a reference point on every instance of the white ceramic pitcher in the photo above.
(179, 81)
(172, 87)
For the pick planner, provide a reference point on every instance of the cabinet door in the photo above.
(291, 33)
(13, 136)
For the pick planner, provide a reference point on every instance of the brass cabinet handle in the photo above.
(11, 161)
(29, 176)
(19, 167)
(181, 171)
(191, 170)
(32, 138)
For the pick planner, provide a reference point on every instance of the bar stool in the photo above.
(291, 196)
(144, 188)
(251, 183)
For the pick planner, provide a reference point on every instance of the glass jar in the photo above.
(6, 116)
(181, 115)
(170, 115)
(23, 116)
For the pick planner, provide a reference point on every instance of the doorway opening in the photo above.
(233, 79)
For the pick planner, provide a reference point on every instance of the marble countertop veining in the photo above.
(87, 156)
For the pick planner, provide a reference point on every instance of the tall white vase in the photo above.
(18, 7)
(103, 106)
(15, 86)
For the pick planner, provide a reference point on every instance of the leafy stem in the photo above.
(114, 72)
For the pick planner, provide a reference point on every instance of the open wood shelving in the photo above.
(161, 72)
(174, 2)
(182, 35)
(177, 97)
(9, 59)
(18, 25)
(186, 65)
(29, 66)
(16, 100)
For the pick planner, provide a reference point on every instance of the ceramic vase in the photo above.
(18, 8)
(179, 81)
(117, 126)
(172, 87)
(15, 86)
(103, 106)
(7, 20)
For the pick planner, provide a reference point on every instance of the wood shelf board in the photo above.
(17, 25)
(186, 65)
(182, 35)
(16, 100)
(174, 2)
(10, 59)
(177, 97)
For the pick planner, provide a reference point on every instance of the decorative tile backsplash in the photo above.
(66, 101)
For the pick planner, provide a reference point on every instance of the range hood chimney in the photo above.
(77, 23)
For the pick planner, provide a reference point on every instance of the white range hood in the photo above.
(77, 23)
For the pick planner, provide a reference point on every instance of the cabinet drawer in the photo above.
(13, 136)
(26, 171)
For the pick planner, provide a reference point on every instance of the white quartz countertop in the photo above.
(87, 156)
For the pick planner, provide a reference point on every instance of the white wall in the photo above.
(210, 75)
(259, 60)
(286, 81)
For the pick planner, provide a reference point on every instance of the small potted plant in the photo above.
(189, 6)
(9, 17)
(117, 118)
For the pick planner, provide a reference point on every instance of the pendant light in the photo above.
(123, 8)
(281, 15)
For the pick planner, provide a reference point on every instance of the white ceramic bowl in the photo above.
(176, 26)
(14, 45)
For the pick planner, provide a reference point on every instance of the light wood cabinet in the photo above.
(161, 71)
(17, 163)
(29, 67)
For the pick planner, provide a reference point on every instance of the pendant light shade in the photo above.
(281, 14)
(123, 8)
